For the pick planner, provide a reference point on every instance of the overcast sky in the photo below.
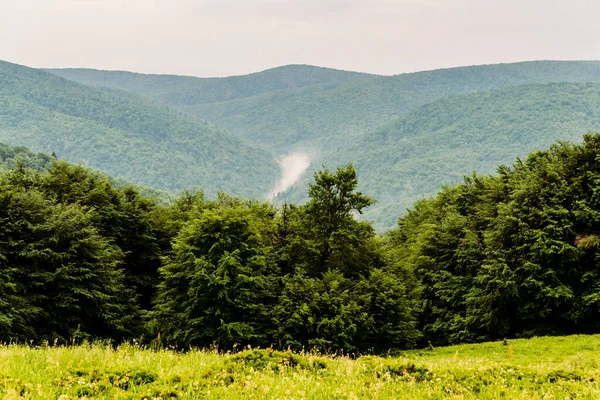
(227, 37)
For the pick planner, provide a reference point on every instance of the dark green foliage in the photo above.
(333, 296)
(390, 300)
(78, 257)
(511, 255)
(120, 215)
(12, 306)
(341, 242)
(65, 273)
(311, 276)
(332, 312)
(221, 281)
(334, 315)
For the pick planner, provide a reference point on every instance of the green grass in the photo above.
(538, 368)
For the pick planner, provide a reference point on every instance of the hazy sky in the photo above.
(226, 37)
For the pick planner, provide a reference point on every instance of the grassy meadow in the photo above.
(537, 368)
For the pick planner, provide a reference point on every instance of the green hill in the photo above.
(438, 143)
(13, 156)
(320, 116)
(178, 90)
(126, 136)
(407, 134)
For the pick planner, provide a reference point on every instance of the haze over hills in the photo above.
(438, 143)
(441, 142)
(320, 117)
(126, 135)
(187, 90)
(323, 117)
(406, 134)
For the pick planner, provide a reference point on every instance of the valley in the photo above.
(407, 134)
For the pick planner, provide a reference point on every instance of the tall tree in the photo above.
(121, 215)
(333, 295)
(221, 281)
(66, 275)
(334, 238)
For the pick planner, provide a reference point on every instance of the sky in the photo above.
(233, 37)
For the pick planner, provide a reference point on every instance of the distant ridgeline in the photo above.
(436, 144)
(406, 134)
(127, 136)
(498, 256)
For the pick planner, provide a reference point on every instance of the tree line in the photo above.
(509, 255)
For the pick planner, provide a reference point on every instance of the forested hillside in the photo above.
(20, 156)
(442, 141)
(497, 256)
(126, 136)
(406, 134)
(438, 143)
(187, 90)
(321, 117)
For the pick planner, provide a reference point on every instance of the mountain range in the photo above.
(126, 135)
(406, 134)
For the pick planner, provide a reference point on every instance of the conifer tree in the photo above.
(120, 215)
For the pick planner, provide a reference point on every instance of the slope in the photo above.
(14, 156)
(20, 156)
(438, 143)
(178, 90)
(320, 117)
(126, 136)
